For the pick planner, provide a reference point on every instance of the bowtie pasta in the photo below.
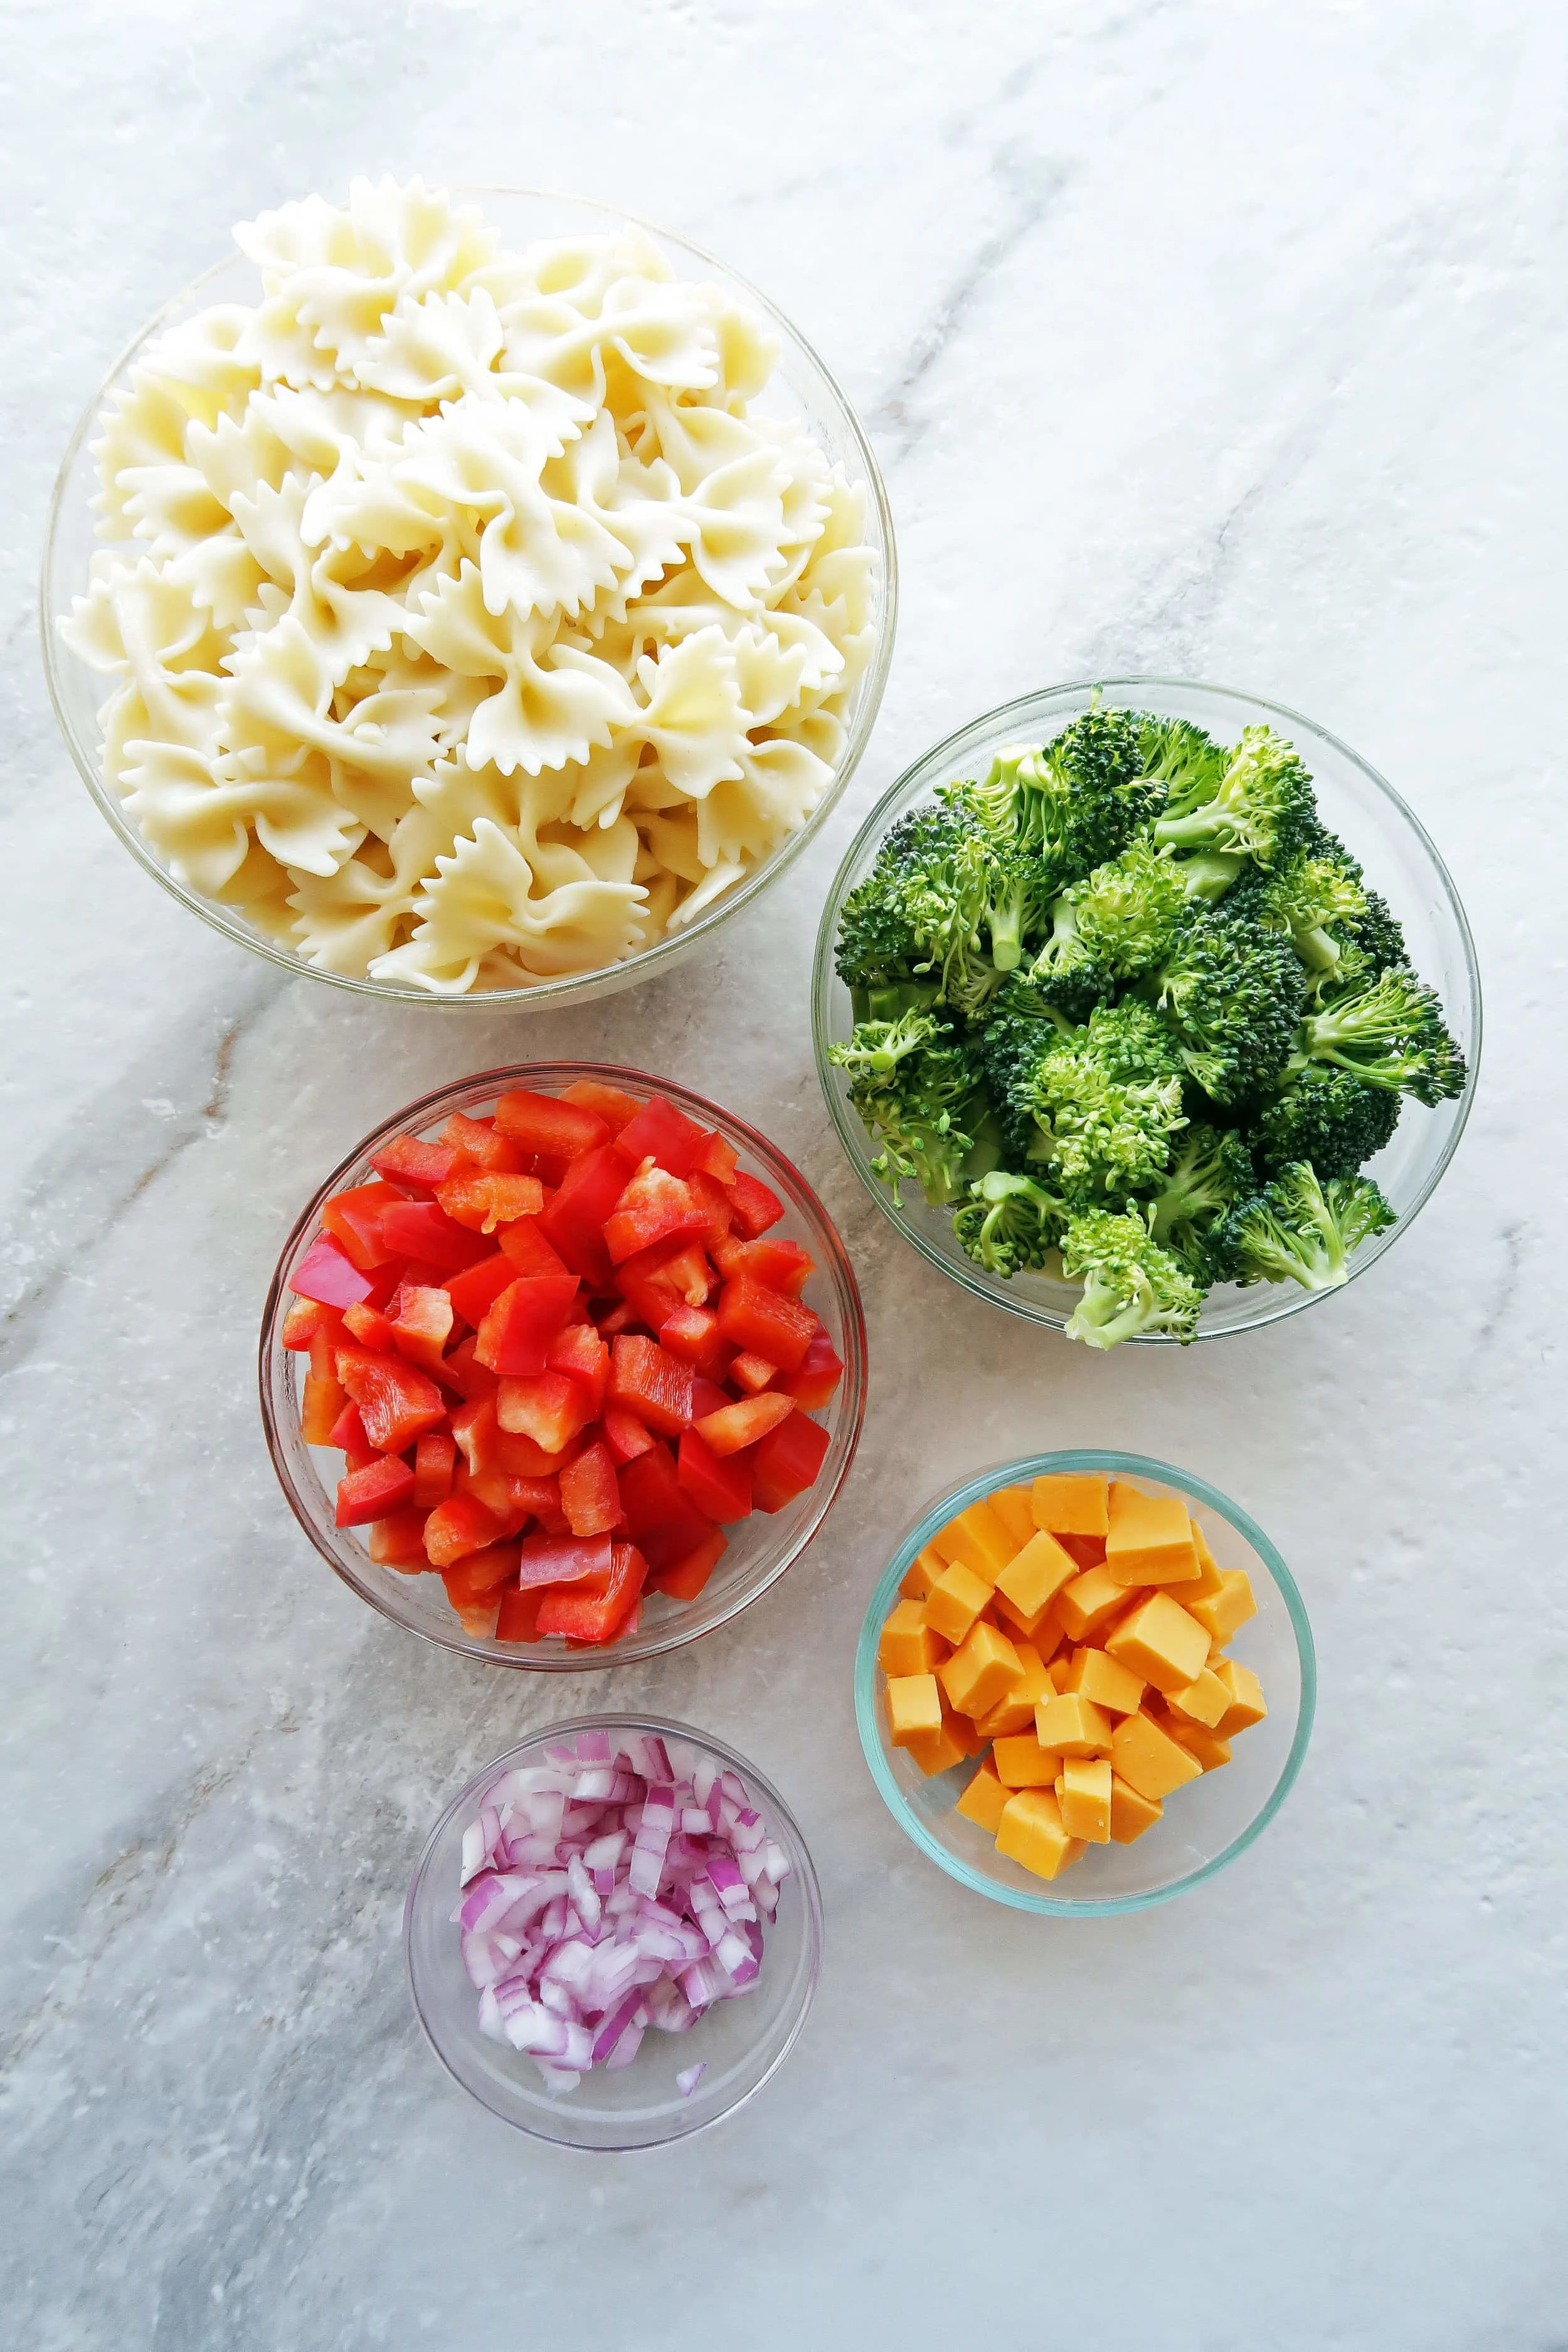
(472, 628)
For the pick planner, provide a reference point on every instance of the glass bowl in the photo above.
(801, 386)
(743, 2041)
(1206, 1823)
(761, 1547)
(1378, 829)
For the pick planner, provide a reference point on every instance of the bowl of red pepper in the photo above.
(562, 1364)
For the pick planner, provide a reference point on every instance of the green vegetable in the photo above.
(1299, 1229)
(1327, 1116)
(1262, 807)
(1234, 994)
(1390, 1033)
(1009, 1220)
(918, 1086)
(1130, 1285)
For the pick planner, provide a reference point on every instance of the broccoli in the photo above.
(1113, 925)
(919, 910)
(877, 1048)
(1234, 994)
(1298, 1230)
(1301, 900)
(1017, 904)
(1020, 1026)
(1327, 1116)
(1388, 1033)
(1009, 1220)
(921, 1095)
(1071, 803)
(1262, 807)
(1131, 1285)
(1107, 1099)
(1182, 759)
(1211, 1170)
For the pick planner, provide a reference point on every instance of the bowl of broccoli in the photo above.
(1147, 1010)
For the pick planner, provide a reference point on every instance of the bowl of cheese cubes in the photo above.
(1084, 1682)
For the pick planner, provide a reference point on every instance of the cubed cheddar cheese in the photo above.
(1038, 1625)
(914, 1708)
(1130, 1814)
(1022, 1763)
(954, 1601)
(1207, 1585)
(922, 1574)
(1035, 1574)
(1221, 1614)
(907, 1644)
(1243, 1697)
(1083, 1793)
(1016, 1711)
(1148, 1758)
(1031, 1832)
(1202, 1701)
(1150, 1541)
(1070, 1503)
(984, 1800)
(982, 1669)
(1206, 1747)
(1089, 1601)
(979, 1539)
(1105, 1680)
(1159, 1641)
(1073, 1726)
(1011, 1505)
(940, 1750)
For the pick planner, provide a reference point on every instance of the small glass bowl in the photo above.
(1206, 1823)
(801, 386)
(1378, 829)
(761, 1547)
(743, 2041)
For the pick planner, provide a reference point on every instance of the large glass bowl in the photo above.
(1206, 1824)
(761, 1547)
(801, 387)
(742, 2042)
(1378, 829)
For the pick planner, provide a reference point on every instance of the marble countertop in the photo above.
(1194, 337)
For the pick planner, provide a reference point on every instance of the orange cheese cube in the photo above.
(979, 1539)
(1130, 1814)
(1031, 1833)
(907, 1645)
(1105, 1680)
(1223, 1612)
(1089, 1601)
(1202, 1701)
(1150, 1539)
(982, 1669)
(1149, 1759)
(954, 1601)
(1083, 1793)
(1011, 1505)
(1035, 1574)
(914, 1708)
(922, 1574)
(1160, 1641)
(1243, 1697)
(1207, 1585)
(1070, 1503)
(1072, 1725)
(1016, 1712)
(1205, 1746)
(938, 1751)
(1022, 1763)
(984, 1800)
(1035, 1625)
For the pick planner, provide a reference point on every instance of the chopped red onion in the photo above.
(686, 2082)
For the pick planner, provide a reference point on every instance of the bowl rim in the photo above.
(567, 987)
(665, 1726)
(957, 1498)
(1269, 1308)
(838, 1266)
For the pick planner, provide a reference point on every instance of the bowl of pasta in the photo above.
(467, 600)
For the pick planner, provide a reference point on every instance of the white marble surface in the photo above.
(1221, 339)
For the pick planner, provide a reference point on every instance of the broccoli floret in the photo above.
(1234, 994)
(1210, 873)
(1071, 803)
(921, 1106)
(1113, 925)
(1263, 805)
(1131, 1285)
(1107, 1099)
(1187, 765)
(1376, 935)
(1298, 1230)
(1327, 1116)
(877, 1047)
(1389, 1033)
(1210, 1171)
(1020, 1026)
(1009, 1220)
(1017, 904)
(920, 909)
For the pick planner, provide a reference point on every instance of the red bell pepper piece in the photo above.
(546, 1124)
(480, 1200)
(661, 1133)
(819, 1375)
(509, 1509)
(776, 1263)
(418, 1166)
(518, 1618)
(457, 1527)
(517, 1330)
(462, 1371)
(622, 1317)
(521, 1456)
(597, 1609)
(720, 1487)
(304, 1318)
(396, 1403)
(480, 1573)
(717, 1158)
(654, 1207)
(755, 1207)
(753, 1373)
(589, 1495)
(754, 1317)
(655, 1387)
(422, 1229)
(323, 1399)
(733, 1427)
(435, 1459)
(421, 1325)
(649, 1299)
(353, 1219)
(685, 1578)
(477, 1139)
(526, 1246)
(347, 1433)
(549, 1407)
(608, 1102)
(373, 1492)
(325, 1273)
(693, 1334)
(398, 1541)
(325, 1345)
(707, 1397)
(563, 1559)
(573, 1222)
(787, 1462)
(369, 1327)
(582, 1356)
(624, 1433)
(475, 1291)
(662, 1515)
(477, 1432)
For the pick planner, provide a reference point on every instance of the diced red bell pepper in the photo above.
(396, 1403)
(655, 1386)
(477, 1432)
(480, 1200)
(661, 1513)
(597, 1609)
(608, 1102)
(755, 1207)
(819, 1375)
(353, 1219)
(422, 1229)
(462, 1371)
(649, 1299)
(720, 1487)
(511, 1510)
(325, 1345)
(787, 1462)
(693, 1334)
(714, 1201)
(573, 1222)
(563, 1559)
(398, 1541)
(686, 1271)
(517, 1619)
(624, 1433)
(664, 1134)
(421, 1325)
(475, 1291)
(549, 1407)
(526, 1246)
(478, 1618)
(579, 1352)
(654, 1207)
(521, 1457)
(684, 1578)
(622, 1317)
(369, 1327)
(373, 1493)
(323, 1399)
(752, 1373)
(435, 1459)
(304, 1318)
(419, 1166)
(480, 1573)
(477, 1139)
(547, 1125)
(778, 1264)
(347, 1435)
(457, 1527)
(717, 1158)
(707, 1397)
(733, 1427)
(589, 1495)
(517, 1330)
(752, 1317)
(325, 1273)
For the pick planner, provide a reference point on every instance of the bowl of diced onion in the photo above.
(613, 1933)
(467, 600)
